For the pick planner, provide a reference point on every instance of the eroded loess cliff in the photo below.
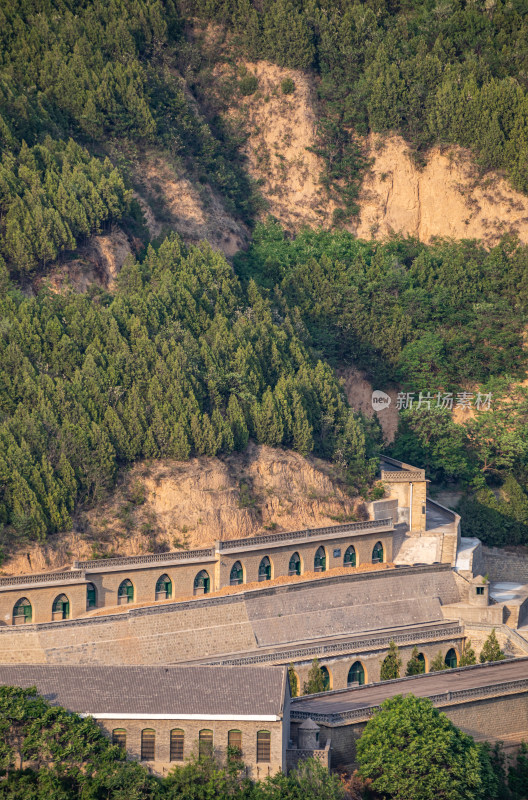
(168, 504)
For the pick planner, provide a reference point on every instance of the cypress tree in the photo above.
(391, 664)
(491, 650)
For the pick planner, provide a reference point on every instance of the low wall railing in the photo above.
(152, 558)
(443, 698)
(43, 577)
(309, 533)
(355, 645)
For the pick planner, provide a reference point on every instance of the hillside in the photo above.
(166, 504)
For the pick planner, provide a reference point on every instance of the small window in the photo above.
(377, 553)
(148, 745)
(202, 583)
(263, 747)
(125, 593)
(356, 674)
(164, 588)
(237, 574)
(91, 596)
(119, 737)
(294, 567)
(205, 744)
(22, 612)
(264, 573)
(234, 743)
(451, 659)
(177, 742)
(350, 557)
(320, 560)
(480, 590)
(61, 607)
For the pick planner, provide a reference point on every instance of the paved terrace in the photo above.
(443, 688)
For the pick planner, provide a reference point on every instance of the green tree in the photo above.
(411, 751)
(315, 682)
(391, 664)
(415, 666)
(294, 683)
(438, 663)
(491, 650)
(468, 657)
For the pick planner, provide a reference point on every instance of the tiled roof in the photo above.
(156, 690)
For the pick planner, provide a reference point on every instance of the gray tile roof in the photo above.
(155, 690)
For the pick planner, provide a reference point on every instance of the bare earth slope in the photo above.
(167, 504)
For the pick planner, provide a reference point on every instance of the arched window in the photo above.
(91, 596)
(119, 737)
(163, 588)
(326, 678)
(320, 560)
(264, 573)
(234, 742)
(205, 744)
(451, 658)
(148, 744)
(350, 557)
(202, 583)
(421, 659)
(263, 747)
(22, 612)
(237, 574)
(125, 593)
(177, 742)
(377, 553)
(356, 674)
(294, 567)
(61, 607)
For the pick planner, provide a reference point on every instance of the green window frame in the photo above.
(61, 605)
(451, 659)
(264, 572)
(126, 591)
(377, 553)
(119, 737)
(263, 747)
(163, 588)
(294, 567)
(177, 744)
(148, 744)
(91, 596)
(205, 744)
(320, 560)
(356, 674)
(202, 582)
(23, 608)
(236, 576)
(350, 556)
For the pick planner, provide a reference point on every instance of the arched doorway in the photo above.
(163, 588)
(202, 583)
(377, 553)
(320, 560)
(91, 596)
(294, 567)
(350, 557)
(327, 678)
(264, 573)
(451, 659)
(125, 593)
(60, 608)
(22, 612)
(356, 674)
(236, 576)
(421, 659)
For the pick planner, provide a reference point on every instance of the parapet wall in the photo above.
(501, 565)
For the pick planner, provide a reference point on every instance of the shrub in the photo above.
(287, 86)
(248, 84)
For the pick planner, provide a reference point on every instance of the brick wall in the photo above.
(162, 764)
(503, 566)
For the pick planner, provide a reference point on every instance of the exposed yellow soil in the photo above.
(170, 201)
(280, 129)
(359, 394)
(447, 198)
(227, 590)
(194, 503)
